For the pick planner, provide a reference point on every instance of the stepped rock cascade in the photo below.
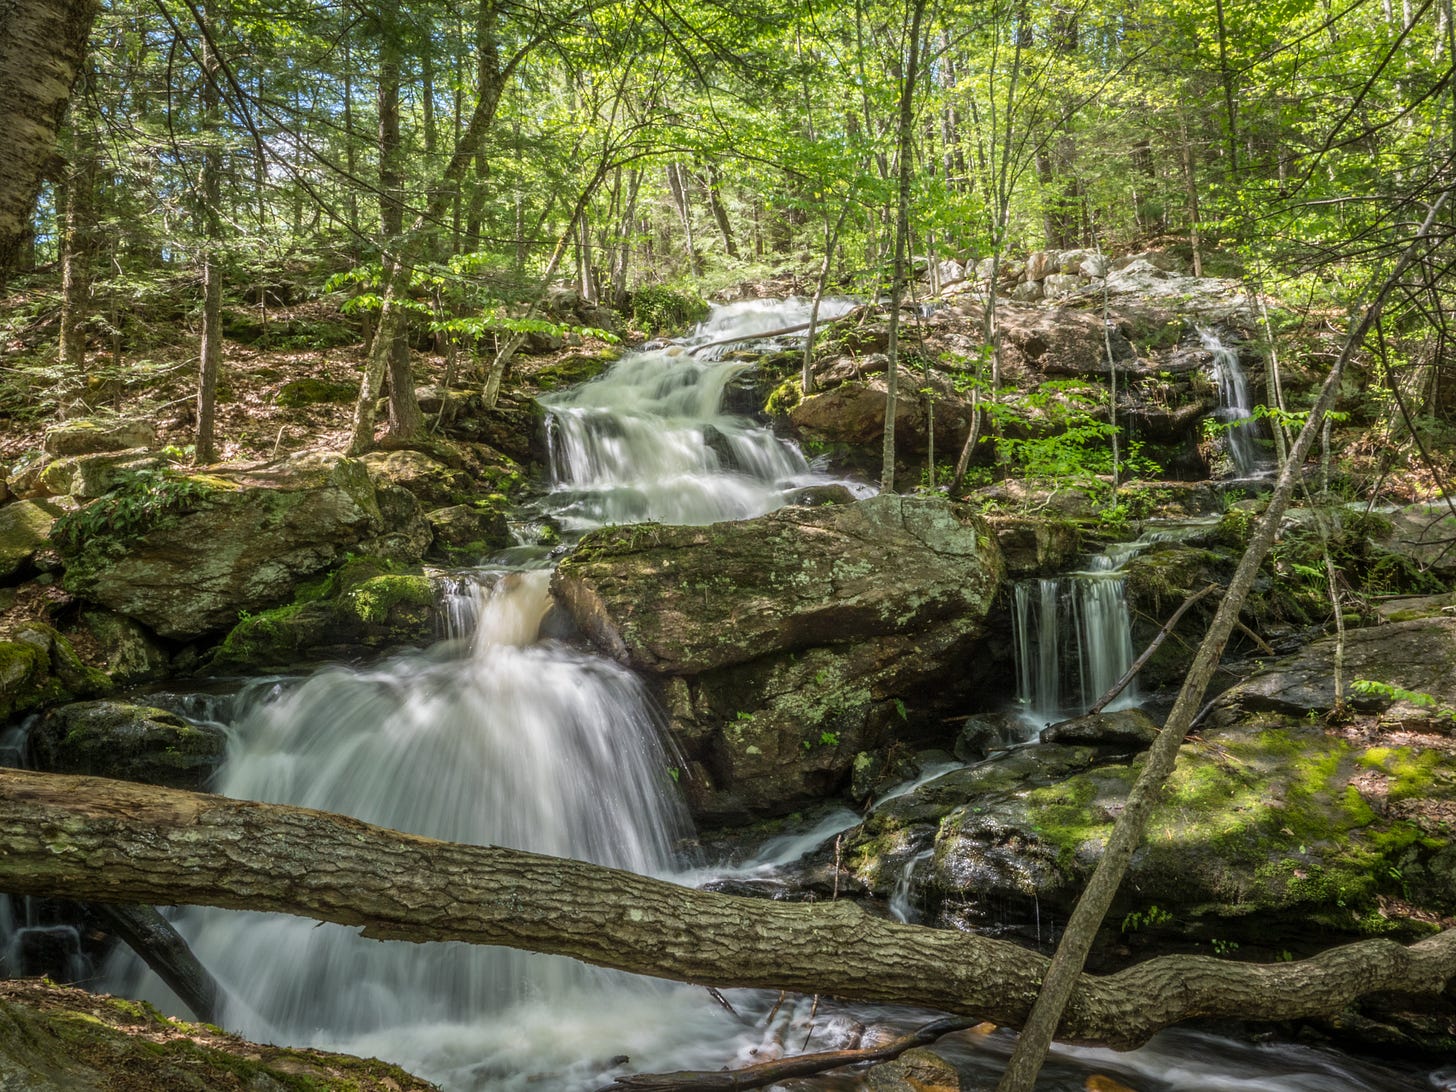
(1073, 640)
(498, 736)
(648, 440)
(1235, 409)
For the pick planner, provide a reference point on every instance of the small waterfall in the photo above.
(1073, 640)
(648, 439)
(1235, 408)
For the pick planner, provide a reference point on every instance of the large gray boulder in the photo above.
(786, 645)
(236, 540)
(25, 528)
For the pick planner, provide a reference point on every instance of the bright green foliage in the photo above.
(141, 502)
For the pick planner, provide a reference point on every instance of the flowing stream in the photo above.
(498, 736)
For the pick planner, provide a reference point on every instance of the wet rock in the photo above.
(469, 532)
(128, 650)
(981, 735)
(1035, 545)
(785, 646)
(814, 496)
(853, 413)
(25, 528)
(1124, 728)
(38, 668)
(363, 609)
(240, 541)
(128, 742)
(917, 1070)
(86, 435)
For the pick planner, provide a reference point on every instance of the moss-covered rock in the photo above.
(311, 391)
(130, 653)
(86, 435)
(25, 528)
(129, 742)
(87, 477)
(39, 668)
(362, 609)
(56, 1039)
(470, 532)
(785, 646)
(240, 542)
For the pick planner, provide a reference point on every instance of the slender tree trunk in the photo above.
(713, 183)
(677, 182)
(902, 235)
(405, 418)
(1190, 187)
(210, 349)
(78, 247)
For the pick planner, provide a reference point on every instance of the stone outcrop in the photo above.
(130, 742)
(241, 542)
(785, 646)
(1271, 820)
(38, 668)
(87, 435)
(25, 528)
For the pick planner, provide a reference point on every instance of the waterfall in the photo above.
(1235, 408)
(1072, 639)
(495, 736)
(648, 440)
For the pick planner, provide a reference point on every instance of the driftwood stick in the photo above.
(1137, 665)
(1264, 645)
(803, 1065)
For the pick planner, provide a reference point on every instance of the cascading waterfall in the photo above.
(496, 736)
(1073, 640)
(1235, 408)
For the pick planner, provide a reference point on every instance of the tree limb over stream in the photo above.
(90, 838)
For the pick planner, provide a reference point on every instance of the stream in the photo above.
(504, 734)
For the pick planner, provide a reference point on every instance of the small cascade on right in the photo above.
(1073, 641)
(1241, 430)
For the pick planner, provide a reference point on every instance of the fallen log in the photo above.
(92, 839)
(162, 948)
(782, 1069)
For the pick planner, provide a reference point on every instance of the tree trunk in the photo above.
(902, 234)
(209, 350)
(42, 43)
(78, 246)
(92, 839)
(405, 419)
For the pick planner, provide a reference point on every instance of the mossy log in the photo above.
(94, 839)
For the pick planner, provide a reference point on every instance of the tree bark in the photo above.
(209, 349)
(115, 841)
(42, 43)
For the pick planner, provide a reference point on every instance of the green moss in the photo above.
(309, 391)
(784, 398)
(375, 600)
(1412, 772)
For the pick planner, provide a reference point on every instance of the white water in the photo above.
(524, 743)
(1073, 640)
(1235, 408)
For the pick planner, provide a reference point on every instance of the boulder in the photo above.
(127, 742)
(433, 483)
(1035, 545)
(362, 609)
(236, 541)
(1028, 292)
(1405, 659)
(87, 435)
(1040, 263)
(949, 272)
(853, 413)
(917, 1070)
(786, 645)
(25, 528)
(1424, 533)
(38, 668)
(1058, 342)
(469, 532)
(128, 650)
(87, 477)
(1057, 285)
(1124, 728)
